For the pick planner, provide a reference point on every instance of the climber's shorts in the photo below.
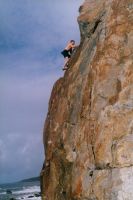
(66, 53)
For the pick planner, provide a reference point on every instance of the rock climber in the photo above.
(67, 52)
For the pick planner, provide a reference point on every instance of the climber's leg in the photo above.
(66, 63)
(67, 56)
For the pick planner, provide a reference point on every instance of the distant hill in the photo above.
(24, 180)
(31, 179)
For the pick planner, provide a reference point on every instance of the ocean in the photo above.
(20, 191)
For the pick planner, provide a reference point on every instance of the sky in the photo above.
(32, 35)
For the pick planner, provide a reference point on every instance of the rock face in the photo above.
(88, 133)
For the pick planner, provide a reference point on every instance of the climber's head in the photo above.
(72, 42)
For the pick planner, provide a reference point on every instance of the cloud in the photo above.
(41, 24)
(23, 160)
(32, 35)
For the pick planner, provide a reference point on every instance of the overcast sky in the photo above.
(32, 35)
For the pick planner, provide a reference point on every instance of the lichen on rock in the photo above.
(88, 133)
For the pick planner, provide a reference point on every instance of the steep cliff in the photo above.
(88, 133)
